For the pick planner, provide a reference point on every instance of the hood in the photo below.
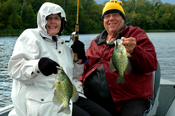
(46, 10)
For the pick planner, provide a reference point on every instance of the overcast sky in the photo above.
(163, 1)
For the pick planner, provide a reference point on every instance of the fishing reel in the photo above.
(73, 37)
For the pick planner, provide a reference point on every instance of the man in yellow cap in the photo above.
(131, 98)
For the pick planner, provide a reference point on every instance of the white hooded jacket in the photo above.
(32, 92)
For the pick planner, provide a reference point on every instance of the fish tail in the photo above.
(65, 109)
(120, 79)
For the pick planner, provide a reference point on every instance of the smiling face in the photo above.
(113, 21)
(53, 24)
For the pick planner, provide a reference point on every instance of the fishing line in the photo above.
(126, 14)
(134, 11)
(110, 40)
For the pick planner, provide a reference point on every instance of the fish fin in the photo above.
(120, 79)
(75, 95)
(54, 86)
(111, 66)
(56, 101)
(128, 55)
(65, 109)
(121, 55)
(128, 68)
(115, 42)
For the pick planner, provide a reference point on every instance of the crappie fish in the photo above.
(64, 91)
(119, 61)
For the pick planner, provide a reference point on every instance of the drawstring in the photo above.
(54, 38)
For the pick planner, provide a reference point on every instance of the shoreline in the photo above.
(18, 32)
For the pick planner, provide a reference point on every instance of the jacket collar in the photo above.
(102, 38)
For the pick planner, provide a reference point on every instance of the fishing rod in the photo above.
(76, 31)
(75, 35)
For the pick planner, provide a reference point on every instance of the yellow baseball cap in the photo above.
(113, 6)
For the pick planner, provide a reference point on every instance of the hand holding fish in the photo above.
(129, 43)
(47, 66)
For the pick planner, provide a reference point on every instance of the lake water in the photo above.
(163, 42)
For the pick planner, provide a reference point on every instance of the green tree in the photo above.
(147, 14)
(3, 15)
(29, 17)
(14, 18)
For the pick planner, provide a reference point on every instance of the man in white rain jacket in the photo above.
(33, 63)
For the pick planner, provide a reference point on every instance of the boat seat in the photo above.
(156, 81)
(156, 90)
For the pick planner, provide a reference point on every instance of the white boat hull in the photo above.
(164, 104)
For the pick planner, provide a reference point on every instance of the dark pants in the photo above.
(86, 107)
(134, 107)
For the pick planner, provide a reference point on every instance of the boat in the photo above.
(7, 110)
(163, 98)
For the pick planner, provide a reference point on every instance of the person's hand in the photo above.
(47, 66)
(129, 43)
(78, 47)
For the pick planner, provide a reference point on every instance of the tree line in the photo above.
(147, 14)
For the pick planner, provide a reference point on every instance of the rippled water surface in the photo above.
(163, 42)
(6, 48)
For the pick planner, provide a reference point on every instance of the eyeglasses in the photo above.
(49, 18)
(114, 15)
